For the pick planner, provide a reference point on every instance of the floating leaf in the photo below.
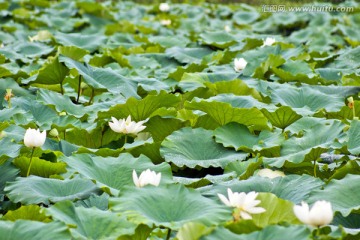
(156, 206)
(196, 147)
(24, 229)
(88, 221)
(239, 137)
(115, 173)
(34, 190)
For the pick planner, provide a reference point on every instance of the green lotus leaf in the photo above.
(90, 223)
(100, 78)
(73, 52)
(7, 174)
(52, 72)
(192, 230)
(244, 169)
(39, 167)
(277, 211)
(240, 101)
(308, 147)
(29, 212)
(178, 73)
(268, 233)
(307, 101)
(169, 41)
(155, 205)
(160, 128)
(223, 113)
(335, 191)
(188, 55)
(9, 149)
(61, 103)
(218, 39)
(354, 137)
(86, 41)
(271, 62)
(41, 114)
(142, 109)
(236, 87)
(191, 81)
(281, 117)
(239, 137)
(283, 187)
(101, 202)
(349, 224)
(243, 17)
(25, 229)
(114, 173)
(196, 147)
(33, 50)
(34, 190)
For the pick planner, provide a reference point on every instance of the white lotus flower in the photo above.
(127, 126)
(227, 28)
(33, 138)
(320, 214)
(164, 7)
(269, 41)
(239, 64)
(350, 99)
(245, 203)
(270, 173)
(146, 177)
(165, 22)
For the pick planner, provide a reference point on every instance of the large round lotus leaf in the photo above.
(354, 137)
(243, 17)
(24, 229)
(27, 212)
(7, 173)
(306, 100)
(188, 55)
(281, 117)
(91, 223)
(268, 233)
(170, 206)
(86, 41)
(34, 190)
(343, 194)
(114, 172)
(217, 39)
(102, 78)
(283, 187)
(196, 147)
(223, 113)
(33, 50)
(277, 210)
(315, 140)
(239, 137)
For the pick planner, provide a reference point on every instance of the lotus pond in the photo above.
(177, 121)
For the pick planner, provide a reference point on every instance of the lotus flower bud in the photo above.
(164, 7)
(33, 138)
(320, 214)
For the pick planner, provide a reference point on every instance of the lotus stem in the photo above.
(354, 116)
(317, 233)
(168, 234)
(314, 168)
(32, 153)
(92, 96)
(125, 141)
(61, 88)
(79, 89)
